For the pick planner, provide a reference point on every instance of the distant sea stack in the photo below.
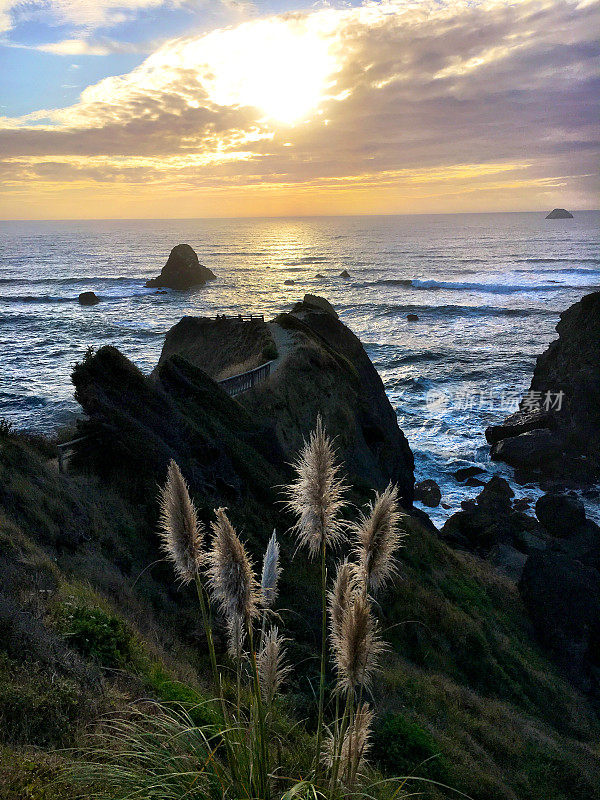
(559, 213)
(182, 271)
(88, 299)
(556, 431)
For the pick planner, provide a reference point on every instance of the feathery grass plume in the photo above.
(344, 587)
(359, 645)
(180, 532)
(378, 537)
(236, 636)
(270, 572)
(272, 668)
(231, 575)
(354, 747)
(316, 496)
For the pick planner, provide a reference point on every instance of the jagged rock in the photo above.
(327, 371)
(344, 274)
(559, 213)
(320, 277)
(562, 597)
(562, 405)
(491, 520)
(468, 472)
(527, 450)
(522, 504)
(428, 492)
(182, 270)
(560, 515)
(508, 560)
(88, 299)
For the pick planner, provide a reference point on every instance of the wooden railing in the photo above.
(63, 451)
(237, 384)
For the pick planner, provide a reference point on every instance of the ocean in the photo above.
(487, 288)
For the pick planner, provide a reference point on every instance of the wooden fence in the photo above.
(237, 384)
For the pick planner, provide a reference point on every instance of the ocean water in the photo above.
(487, 288)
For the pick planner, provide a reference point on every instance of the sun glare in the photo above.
(273, 65)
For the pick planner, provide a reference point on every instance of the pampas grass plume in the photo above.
(180, 532)
(271, 665)
(316, 496)
(378, 537)
(231, 575)
(358, 646)
(270, 572)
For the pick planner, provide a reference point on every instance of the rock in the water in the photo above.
(474, 482)
(344, 274)
(288, 282)
(522, 504)
(412, 317)
(182, 270)
(468, 472)
(564, 401)
(319, 277)
(560, 514)
(508, 560)
(490, 520)
(428, 492)
(528, 450)
(88, 299)
(563, 600)
(559, 213)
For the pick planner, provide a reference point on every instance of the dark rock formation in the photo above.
(559, 213)
(344, 274)
(88, 299)
(182, 270)
(468, 472)
(316, 303)
(559, 514)
(412, 317)
(428, 492)
(491, 520)
(563, 600)
(556, 432)
(289, 282)
(327, 371)
(222, 347)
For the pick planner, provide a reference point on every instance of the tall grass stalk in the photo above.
(162, 754)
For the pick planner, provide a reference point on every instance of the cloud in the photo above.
(416, 99)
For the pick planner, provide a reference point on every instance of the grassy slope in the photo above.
(463, 678)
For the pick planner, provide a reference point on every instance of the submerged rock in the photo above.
(344, 274)
(412, 317)
(88, 299)
(182, 270)
(559, 213)
(289, 282)
(468, 472)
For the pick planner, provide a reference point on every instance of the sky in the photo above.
(219, 108)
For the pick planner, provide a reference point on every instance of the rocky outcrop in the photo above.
(428, 492)
(220, 347)
(88, 299)
(559, 213)
(316, 303)
(182, 270)
(555, 435)
(325, 370)
(562, 597)
(492, 527)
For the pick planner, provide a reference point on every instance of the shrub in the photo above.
(404, 748)
(96, 635)
(270, 352)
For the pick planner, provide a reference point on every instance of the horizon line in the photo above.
(286, 216)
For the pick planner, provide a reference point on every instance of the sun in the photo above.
(274, 65)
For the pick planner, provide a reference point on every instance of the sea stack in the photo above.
(559, 213)
(182, 271)
(88, 299)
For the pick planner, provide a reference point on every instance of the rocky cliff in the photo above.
(556, 432)
(182, 270)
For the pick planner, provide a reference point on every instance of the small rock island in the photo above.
(182, 271)
(559, 213)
